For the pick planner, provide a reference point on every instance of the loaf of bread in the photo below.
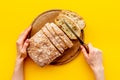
(45, 47)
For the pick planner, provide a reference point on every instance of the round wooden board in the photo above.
(49, 16)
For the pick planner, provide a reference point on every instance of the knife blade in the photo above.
(80, 40)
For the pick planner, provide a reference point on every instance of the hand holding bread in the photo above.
(22, 44)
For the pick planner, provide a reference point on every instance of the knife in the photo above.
(80, 40)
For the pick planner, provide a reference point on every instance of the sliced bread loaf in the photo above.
(52, 39)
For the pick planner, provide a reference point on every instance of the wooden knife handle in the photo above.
(86, 47)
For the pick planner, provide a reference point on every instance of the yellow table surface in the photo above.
(102, 30)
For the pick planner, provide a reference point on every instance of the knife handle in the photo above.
(86, 47)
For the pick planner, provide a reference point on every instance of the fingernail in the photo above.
(27, 40)
(81, 46)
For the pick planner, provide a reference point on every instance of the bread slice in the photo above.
(51, 38)
(60, 41)
(74, 20)
(62, 35)
(78, 20)
(41, 50)
(60, 22)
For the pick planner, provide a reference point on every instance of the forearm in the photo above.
(18, 71)
(99, 73)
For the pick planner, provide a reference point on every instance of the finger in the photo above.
(90, 48)
(24, 51)
(84, 51)
(26, 44)
(25, 32)
(24, 35)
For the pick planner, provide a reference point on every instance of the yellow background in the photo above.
(103, 29)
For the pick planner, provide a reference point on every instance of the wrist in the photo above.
(19, 63)
(99, 73)
(98, 70)
(19, 60)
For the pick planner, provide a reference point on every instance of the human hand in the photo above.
(94, 59)
(22, 44)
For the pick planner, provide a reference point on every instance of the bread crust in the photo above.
(41, 50)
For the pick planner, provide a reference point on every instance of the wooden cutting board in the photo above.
(49, 16)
